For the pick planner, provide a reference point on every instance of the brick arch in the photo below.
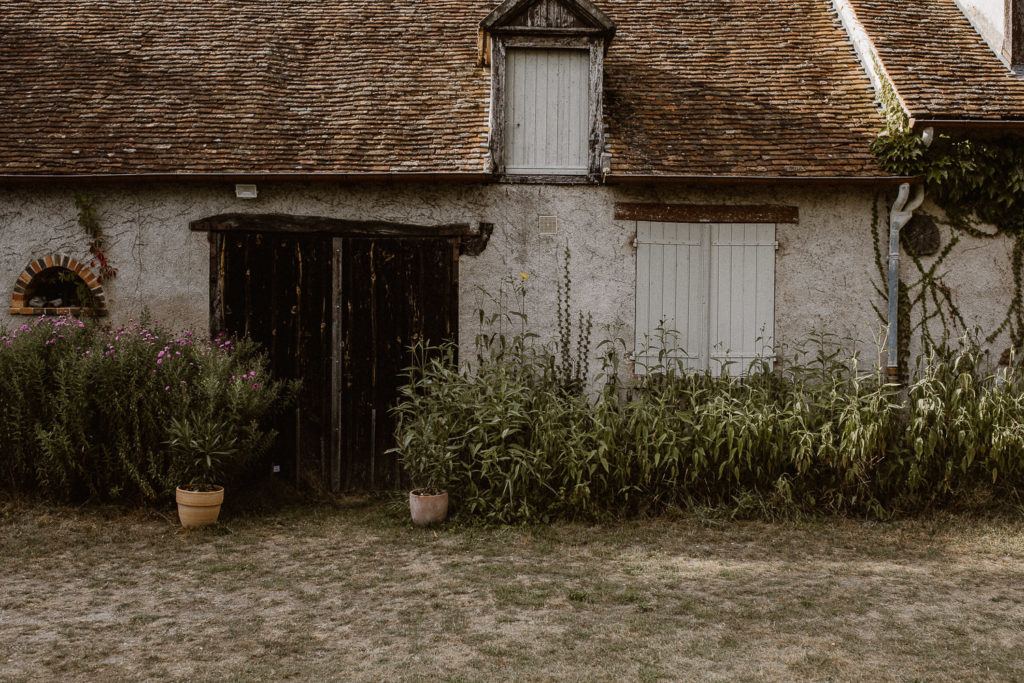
(19, 301)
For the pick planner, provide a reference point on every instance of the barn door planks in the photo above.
(338, 313)
(275, 289)
(393, 293)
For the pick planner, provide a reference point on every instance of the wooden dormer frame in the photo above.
(501, 19)
(511, 25)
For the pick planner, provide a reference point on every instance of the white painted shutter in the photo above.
(672, 293)
(742, 310)
(705, 294)
(546, 111)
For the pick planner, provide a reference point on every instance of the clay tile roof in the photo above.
(694, 87)
(939, 64)
(283, 86)
(734, 87)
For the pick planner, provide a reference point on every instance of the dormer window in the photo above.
(547, 61)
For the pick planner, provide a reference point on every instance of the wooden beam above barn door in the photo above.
(278, 222)
(706, 213)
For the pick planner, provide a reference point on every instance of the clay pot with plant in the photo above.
(428, 500)
(204, 451)
(422, 433)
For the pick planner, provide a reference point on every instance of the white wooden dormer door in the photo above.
(546, 111)
(705, 294)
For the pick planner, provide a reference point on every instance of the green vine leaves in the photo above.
(975, 181)
(87, 219)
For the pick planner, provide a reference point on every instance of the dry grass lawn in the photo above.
(353, 592)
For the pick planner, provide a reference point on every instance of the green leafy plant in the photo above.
(812, 435)
(204, 449)
(975, 181)
(88, 220)
(86, 411)
(572, 366)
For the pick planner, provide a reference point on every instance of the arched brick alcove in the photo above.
(41, 283)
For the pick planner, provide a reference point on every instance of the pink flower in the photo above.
(256, 385)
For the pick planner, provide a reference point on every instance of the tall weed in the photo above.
(812, 436)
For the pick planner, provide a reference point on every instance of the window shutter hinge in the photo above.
(776, 245)
(636, 243)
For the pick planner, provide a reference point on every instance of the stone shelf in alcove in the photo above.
(65, 310)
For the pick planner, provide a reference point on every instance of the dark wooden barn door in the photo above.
(339, 314)
(277, 291)
(394, 292)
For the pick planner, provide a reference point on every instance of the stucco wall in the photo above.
(978, 274)
(825, 267)
(988, 16)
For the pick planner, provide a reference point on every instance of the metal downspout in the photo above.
(901, 213)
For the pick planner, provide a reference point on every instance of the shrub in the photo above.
(87, 411)
(513, 445)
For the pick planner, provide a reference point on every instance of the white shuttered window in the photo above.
(546, 111)
(705, 293)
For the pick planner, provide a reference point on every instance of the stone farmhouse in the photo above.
(339, 178)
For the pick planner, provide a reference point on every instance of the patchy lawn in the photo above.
(354, 592)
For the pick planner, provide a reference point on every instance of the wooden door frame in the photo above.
(468, 239)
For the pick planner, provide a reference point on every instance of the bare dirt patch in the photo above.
(353, 591)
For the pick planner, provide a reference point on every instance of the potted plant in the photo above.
(203, 448)
(428, 505)
(430, 474)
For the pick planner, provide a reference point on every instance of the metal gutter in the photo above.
(244, 177)
(626, 179)
(1011, 125)
(902, 211)
(610, 179)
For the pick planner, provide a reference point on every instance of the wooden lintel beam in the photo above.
(275, 222)
(546, 31)
(706, 213)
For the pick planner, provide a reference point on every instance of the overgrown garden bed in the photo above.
(513, 442)
(89, 412)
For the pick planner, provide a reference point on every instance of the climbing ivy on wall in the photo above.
(90, 224)
(927, 292)
(974, 181)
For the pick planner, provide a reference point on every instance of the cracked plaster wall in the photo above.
(979, 274)
(825, 272)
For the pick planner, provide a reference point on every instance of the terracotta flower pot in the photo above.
(198, 508)
(428, 507)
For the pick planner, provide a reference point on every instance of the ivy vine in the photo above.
(975, 181)
(90, 223)
(927, 292)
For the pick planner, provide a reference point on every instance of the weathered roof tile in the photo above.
(940, 65)
(693, 87)
(274, 86)
(733, 87)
